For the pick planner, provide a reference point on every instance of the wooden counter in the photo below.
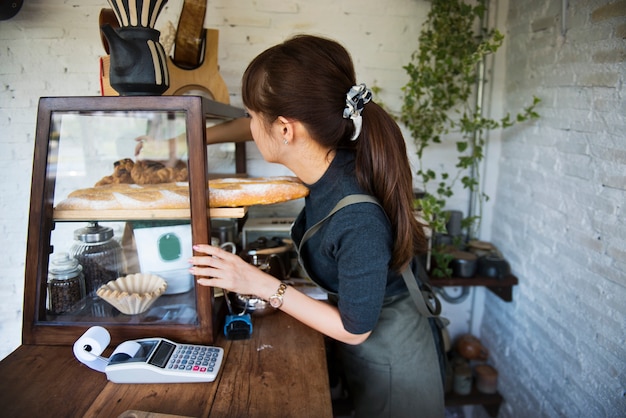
(279, 372)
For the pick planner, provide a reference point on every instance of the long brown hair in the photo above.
(306, 78)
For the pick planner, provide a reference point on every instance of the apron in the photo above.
(396, 372)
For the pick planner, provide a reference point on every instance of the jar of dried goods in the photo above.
(66, 284)
(100, 255)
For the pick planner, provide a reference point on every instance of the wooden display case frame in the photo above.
(36, 328)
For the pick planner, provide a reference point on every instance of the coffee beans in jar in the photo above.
(100, 255)
(66, 285)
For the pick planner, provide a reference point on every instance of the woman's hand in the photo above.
(221, 268)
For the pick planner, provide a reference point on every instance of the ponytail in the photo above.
(383, 169)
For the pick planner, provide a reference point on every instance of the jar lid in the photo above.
(93, 233)
(61, 263)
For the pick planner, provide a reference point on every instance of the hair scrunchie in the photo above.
(356, 98)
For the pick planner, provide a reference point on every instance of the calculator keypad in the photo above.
(194, 358)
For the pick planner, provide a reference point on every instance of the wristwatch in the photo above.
(276, 300)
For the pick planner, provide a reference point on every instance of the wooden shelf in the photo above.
(125, 214)
(490, 401)
(503, 288)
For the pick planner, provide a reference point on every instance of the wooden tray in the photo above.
(125, 214)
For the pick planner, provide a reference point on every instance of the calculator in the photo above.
(159, 360)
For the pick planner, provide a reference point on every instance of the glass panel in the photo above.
(89, 148)
(220, 157)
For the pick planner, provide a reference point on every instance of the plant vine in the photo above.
(439, 103)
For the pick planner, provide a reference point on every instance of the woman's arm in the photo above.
(230, 272)
(235, 130)
(318, 315)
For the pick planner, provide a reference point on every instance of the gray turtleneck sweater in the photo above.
(350, 254)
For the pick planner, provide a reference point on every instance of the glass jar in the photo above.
(66, 285)
(100, 255)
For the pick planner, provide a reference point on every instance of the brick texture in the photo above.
(559, 216)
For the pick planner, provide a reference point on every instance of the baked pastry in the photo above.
(154, 172)
(121, 173)
(224, 192)
(126, 171)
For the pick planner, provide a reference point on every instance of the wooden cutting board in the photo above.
(190, 34)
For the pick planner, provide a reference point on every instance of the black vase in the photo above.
(138, 64)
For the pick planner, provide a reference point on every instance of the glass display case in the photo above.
(80, 240)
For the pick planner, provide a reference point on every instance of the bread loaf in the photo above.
(225, 192)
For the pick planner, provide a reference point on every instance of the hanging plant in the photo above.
(445, 74)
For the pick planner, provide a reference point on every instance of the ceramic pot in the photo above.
(470, 348)
(486, 378)
(271, 255)
(138, 63)
(493, 266)
(137, 13)
(463, 264)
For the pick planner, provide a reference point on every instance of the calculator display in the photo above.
(162, 354)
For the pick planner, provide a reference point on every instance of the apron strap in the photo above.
(347, 200)
(425, 299)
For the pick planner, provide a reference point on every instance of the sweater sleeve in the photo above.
(359, 241)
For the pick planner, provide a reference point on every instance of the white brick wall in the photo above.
(560, 214)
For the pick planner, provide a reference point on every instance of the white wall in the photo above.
(560, 215)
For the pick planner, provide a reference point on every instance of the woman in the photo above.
(308, 113)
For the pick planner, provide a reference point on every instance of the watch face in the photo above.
(276, 301)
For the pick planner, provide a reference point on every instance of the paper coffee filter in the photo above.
(133, 294)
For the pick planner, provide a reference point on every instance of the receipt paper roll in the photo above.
(90, 345)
